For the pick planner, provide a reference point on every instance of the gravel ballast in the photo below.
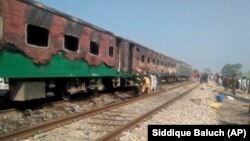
(192, 109)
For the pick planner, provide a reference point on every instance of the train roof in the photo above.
(67, 16)
(143, 46)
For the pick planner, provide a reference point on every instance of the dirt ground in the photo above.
(235, 109)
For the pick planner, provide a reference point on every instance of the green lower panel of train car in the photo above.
(16, 65)
(183, 72)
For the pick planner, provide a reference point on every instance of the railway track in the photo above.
(7, 106)
(12, 107)
(118, 132)
(103, 121)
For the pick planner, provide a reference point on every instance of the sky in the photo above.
(202, 33)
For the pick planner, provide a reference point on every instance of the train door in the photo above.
(130, 57)
(118, 42)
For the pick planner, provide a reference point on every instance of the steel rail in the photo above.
(113, 135)
(49, 125)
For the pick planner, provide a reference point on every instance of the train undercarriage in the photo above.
(65, 88)
(29, 89)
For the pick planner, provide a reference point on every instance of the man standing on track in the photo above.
(146, 84)
(138, 82)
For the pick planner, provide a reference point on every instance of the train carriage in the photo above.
(43, 50)
(39, 43)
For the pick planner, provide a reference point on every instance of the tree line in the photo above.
(228, 70)
(234, 69)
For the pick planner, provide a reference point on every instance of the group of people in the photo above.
(144, 83)
(218, 79)
(243, 84)
(232, 82)
(204, 78)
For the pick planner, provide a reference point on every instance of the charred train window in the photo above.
(111, 51)
(94, 48)
(71, 43)
(148, 59)
(142, 58)
(37, 36)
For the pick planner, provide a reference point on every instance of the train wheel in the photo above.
(66, 95)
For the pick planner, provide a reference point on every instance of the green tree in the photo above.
(232, 69)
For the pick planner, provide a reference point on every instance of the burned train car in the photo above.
(43, 50)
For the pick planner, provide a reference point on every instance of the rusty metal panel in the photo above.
(42, 18)
(39, 17)
(109, 41)
(154, 68)
(165, 71)
(136, 59)
(13, 32)
(74, 29)
(64, 15)
(146, 66)
(1, 20)
(104, 41)
(56, 33)
(124, 55)
(1, 28)
(158, 63)
(145, 63)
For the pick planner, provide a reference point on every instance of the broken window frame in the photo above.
(96, 45)
(33, 44)
(111, 55)
(143, 58)
(67, 49)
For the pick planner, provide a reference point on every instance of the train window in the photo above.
(153, 61)
(38, 36)
(148, 59)
(142, 58)
(137, 49)
(71, 43)
(94, 48)
(111, 51)
(158, 62)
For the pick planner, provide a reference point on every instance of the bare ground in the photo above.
(235, 109)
